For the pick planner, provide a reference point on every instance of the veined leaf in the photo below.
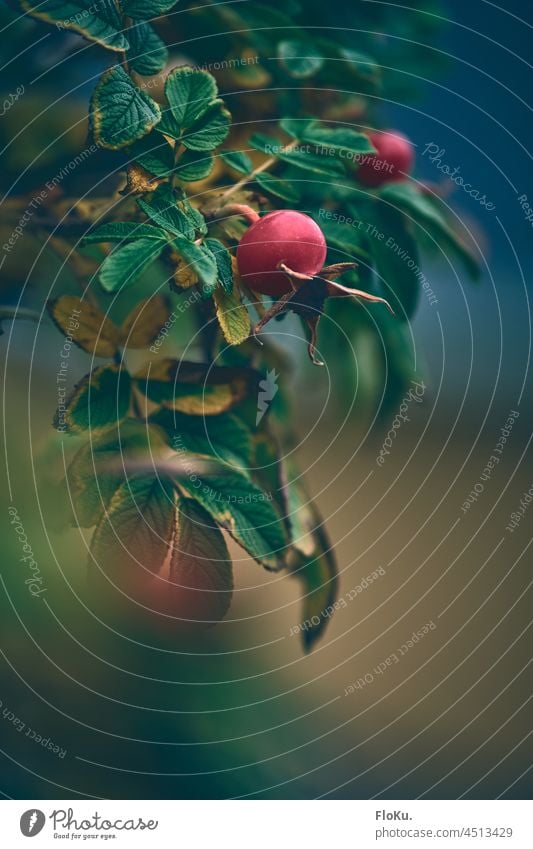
(223, 261)
(120, 113)
(340, 139)
(98, 22)
(154, 154)
(189, 93)
(99, 400)
(143, 10)
(144, 323)
(238, 160)
(85, 324)
(199, 258)
(295, 126)
(239, 506)
(299, 58)
(210, 129)
(194, 166)
(123, 231)
(135, 534)
(200, 565)
(223, 435)
(148, 53)
(232, 316)
(181, 219)
(122, 267)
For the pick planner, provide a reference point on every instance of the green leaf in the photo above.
(299, 58)
(265, 143)
(181, 219)
(199, 258)
(123, 231)
(120, 113)
(237, 160)
(99, 467)
(223, 261)
(100, 22)
(154, 154)
(405, 196)
(361, 65)
(210, 130)
(189, 93)
(122, 267)
(315, 162)
(280, 188)
(295, 126)
(148, 53)
(143, 10)
(223, 436)
(340, 139)
(99, 400)
(194, 166)
(135, 534)
(312, 561)
(239, 506)
(232, 316)
(200, 566)
(395, 255)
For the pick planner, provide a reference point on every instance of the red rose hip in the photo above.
(284, 236)
(394, 156)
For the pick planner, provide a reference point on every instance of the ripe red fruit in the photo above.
(394, 155)
(283, 236)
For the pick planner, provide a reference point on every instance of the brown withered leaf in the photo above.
(144, 323)
(86, 324)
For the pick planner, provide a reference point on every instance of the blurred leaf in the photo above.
(339, 139)
(120, 113)
(232, 316)
(122, 267)
(89, 329)
(144, 323)
(148, 53)
(200, 565)
(99, 400)
(238, 160)
(313, 561)
(405, 196)
(280, 188)
(300, 59)
(395, 254)
(100, 22)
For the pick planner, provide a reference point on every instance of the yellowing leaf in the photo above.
(85, 324)
(232, 316)
(144, 323)
(193, 388)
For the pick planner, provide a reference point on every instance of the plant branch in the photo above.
(249, 178)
